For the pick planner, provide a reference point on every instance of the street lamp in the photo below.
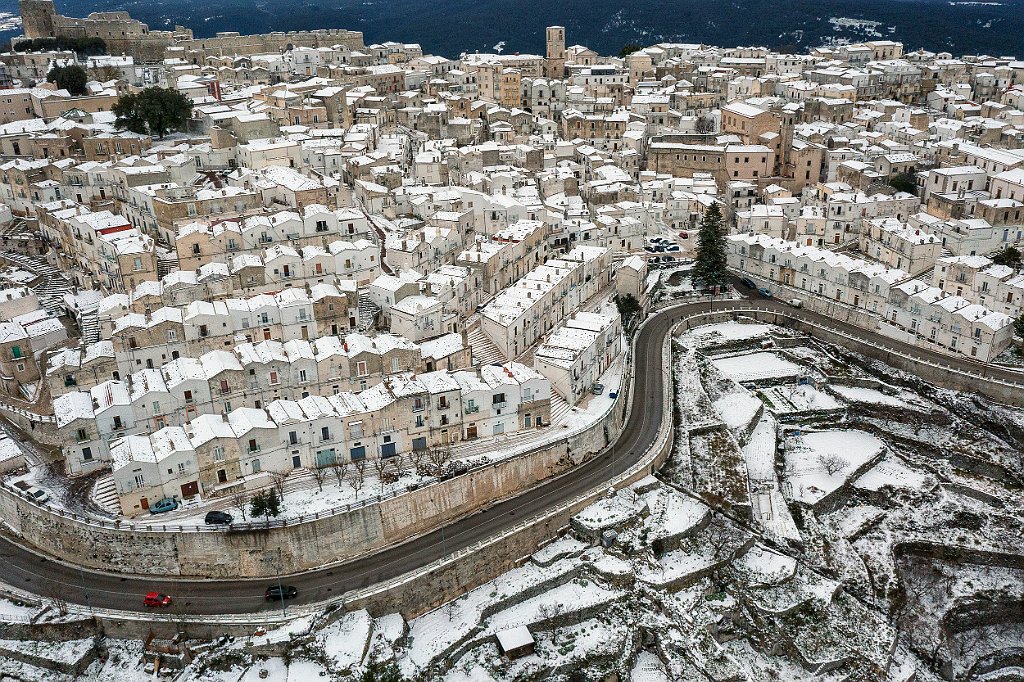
(280, 588)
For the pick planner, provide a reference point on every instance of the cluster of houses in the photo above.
(363, 251)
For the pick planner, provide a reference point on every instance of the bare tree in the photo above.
(380, 465)
(278, 479)
(719, 537)
(439, 456)
(339, 469)
(398, 463)
(358, 476)
(832, 463)
(552, 612)
(240, 499)
(704, 125)
(320, 474)
(106, 73)
(57, 601)
(419, 457)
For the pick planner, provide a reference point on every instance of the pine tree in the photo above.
(710, 267)
(153, 111)
(265, 504)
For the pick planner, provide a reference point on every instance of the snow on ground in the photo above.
(588, 640)
(795, 398)
(69, 652)
(345, 641)
(858, 394)
(16, 612)
(723, 332)
(754, 366)
(892, 471)
(606, 513)
(270, 669)
(435, 632)
(768, 506)
(762, 566)
(387, 630)
(759, 452)
(301, 671)
(810, 455)
(851, 520)
(559, 549)
(672, 514)
(738, 409)
(590, 409)
(648, 668)
(577, 595)
(677, 565)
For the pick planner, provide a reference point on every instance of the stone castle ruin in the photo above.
(124, 35)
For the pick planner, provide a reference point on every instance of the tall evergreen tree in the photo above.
(154, 111)
(709, 269)
(266, 504)
(72, 78)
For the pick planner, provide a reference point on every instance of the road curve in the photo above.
(25, 569)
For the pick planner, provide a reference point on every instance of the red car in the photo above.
(156, 599)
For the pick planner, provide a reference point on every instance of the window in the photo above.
(87, 454)
(218, 454)
(253, 445)
(273, 378)
(293, 438)
(325, 433)
(361, 369)
(355, 429)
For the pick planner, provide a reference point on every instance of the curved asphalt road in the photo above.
(27, 570)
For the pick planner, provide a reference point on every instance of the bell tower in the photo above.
(554, 65)
(38, 18)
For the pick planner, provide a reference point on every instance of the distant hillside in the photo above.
(449, 27)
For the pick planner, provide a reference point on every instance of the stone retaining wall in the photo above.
(301, 546)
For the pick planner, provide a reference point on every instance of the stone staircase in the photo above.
(104, 495)
(485, 352)
(368, 312)
(51, 286)
(89, 325)
(166, 264)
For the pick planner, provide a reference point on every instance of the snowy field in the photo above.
(723, 332)
(757, 366)
(793, 399)
(819, 462)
